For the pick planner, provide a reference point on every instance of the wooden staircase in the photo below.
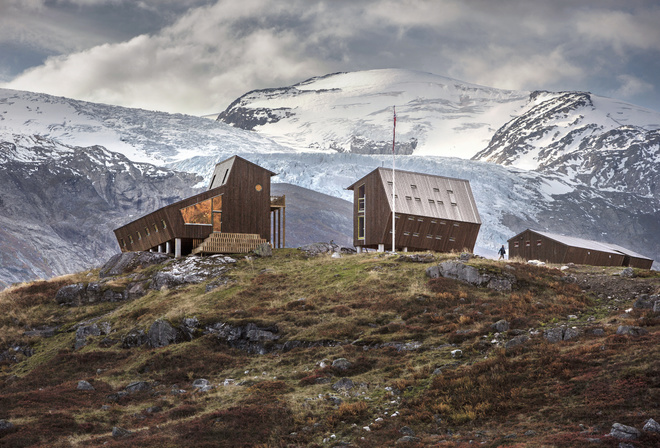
(229, 243)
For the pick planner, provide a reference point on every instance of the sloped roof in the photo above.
(223, 169)
(590, 245)
(429, 195)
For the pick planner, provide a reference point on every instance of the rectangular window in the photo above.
(516, 244)
(538, 242)
(451, 238)
(409, 198)
(429, 236)
(418, 199)
(199, 213)
(224, 178)
(155, 227)
(406, 233)
(139, 235)
(162, 222)
(436, 190)
(413, 186)
(528, 243)
(456, 224)
(438, 237)
(431, 201)
(146, 231)
(390, 183)
(361, 227)
(411, 218)
(123, 243)
(420, 219)
(442, 223)
(362, 190)
(130, 239)
(415, 234)
(433, 221)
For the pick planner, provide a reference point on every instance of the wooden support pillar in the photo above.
(359, 249)
(279, 228)
(381, 248)
(168, 248)
(284, 226)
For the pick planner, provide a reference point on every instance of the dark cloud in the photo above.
(198, 56)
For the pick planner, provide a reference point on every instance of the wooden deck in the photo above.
(229, 243)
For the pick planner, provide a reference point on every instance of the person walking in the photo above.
(502, 252)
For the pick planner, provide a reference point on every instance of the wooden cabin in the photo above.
(236, 214)
(560, 249)
(432, 212)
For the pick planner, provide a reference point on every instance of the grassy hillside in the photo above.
(355, 351)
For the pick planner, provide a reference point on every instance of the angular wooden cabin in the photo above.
(552, 248)
(432, 212)
(236, 214)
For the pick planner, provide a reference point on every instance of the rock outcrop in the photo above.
(460, 271)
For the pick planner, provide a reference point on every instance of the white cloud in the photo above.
(621, 30)
(631, 86)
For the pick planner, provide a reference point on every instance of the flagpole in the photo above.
(393, 186)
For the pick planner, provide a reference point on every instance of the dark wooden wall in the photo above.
(417, 233)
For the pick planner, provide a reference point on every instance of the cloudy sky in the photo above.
(196, 56)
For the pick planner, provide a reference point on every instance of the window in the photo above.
(415, 234)
(440, 202)
(420, 219)
(442, 223)
(139, 235)
(390, 183)
(538, 242)
(155, 228)
(361, 227)
(433, 221)
(162, 222)
(418, 199)
(123, 243)
(411, 218)
(527, 243)
(436, 190)
(201, 212)
(431, 201)
(516, 244)
(456, 224)
(398, 216)
(438, 237)
(409, 198)
(362, 191)
(224, 178)
(450, 191)
(146, 231)
(413, 186)
(406, 233)
(130, 239)
(451, 238)
(429, 236)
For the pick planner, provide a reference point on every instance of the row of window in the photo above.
(528, 243)
(428, 235)
(433, 221)
(146, 231)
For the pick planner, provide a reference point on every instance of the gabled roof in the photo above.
(223, 170)
(588, 244)
(429, 195)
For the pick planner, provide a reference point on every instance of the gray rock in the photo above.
(500, 326)
(343, 385)
(84, 385)
(264, 250)
(598, 332)
(656, 307)
(624, 432)
(85, 331)
(134, 290)
(626, 445)
(407, 431)
(162, 334)
(249, 337)
(134, 338)
(407, 439)
(188, 327)
(314, 249)
(515, 342)
(341, 363)
(5, 425)
(120, 433)
(469, 274)
(645, 301)
(71, 294)
(651, 426)
(627, 272)
(202, 385)
(137, 386)
(417, 258)
(42, 332)
(153, 409)
(631, 330)
(558, 334)
(127, 262)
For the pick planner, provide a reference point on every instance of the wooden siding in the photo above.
(533, 245)
(434, 227)
(245, 209)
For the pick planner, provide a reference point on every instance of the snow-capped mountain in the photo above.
(72, 171)
(353, 112)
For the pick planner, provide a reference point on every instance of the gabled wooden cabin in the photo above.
(432, 212)
(236, 214)
(552, 248)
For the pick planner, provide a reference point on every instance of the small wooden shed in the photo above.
(553, 248)
(236, 214)
(432, 212)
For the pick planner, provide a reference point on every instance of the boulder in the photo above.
(500, 326)
(343, 385)
(161, 334)
(190, 270)
(558, 334)
(202, 385)
(188, 327)
(5, 425)
(83, 332)
(250, 337)
(630, 330)
(134, 338)
(469, 274)
(127, 262)
(417, 258)
(624, 432)
(137, 386)
(264, 250)
(645, 301)
(515, 342)
(341, 364)
(627, 272)
(314, 249)
(651, 426)
(84, 385)
(120, 433)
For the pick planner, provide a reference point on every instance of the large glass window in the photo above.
(361, 227)
(202, 213)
